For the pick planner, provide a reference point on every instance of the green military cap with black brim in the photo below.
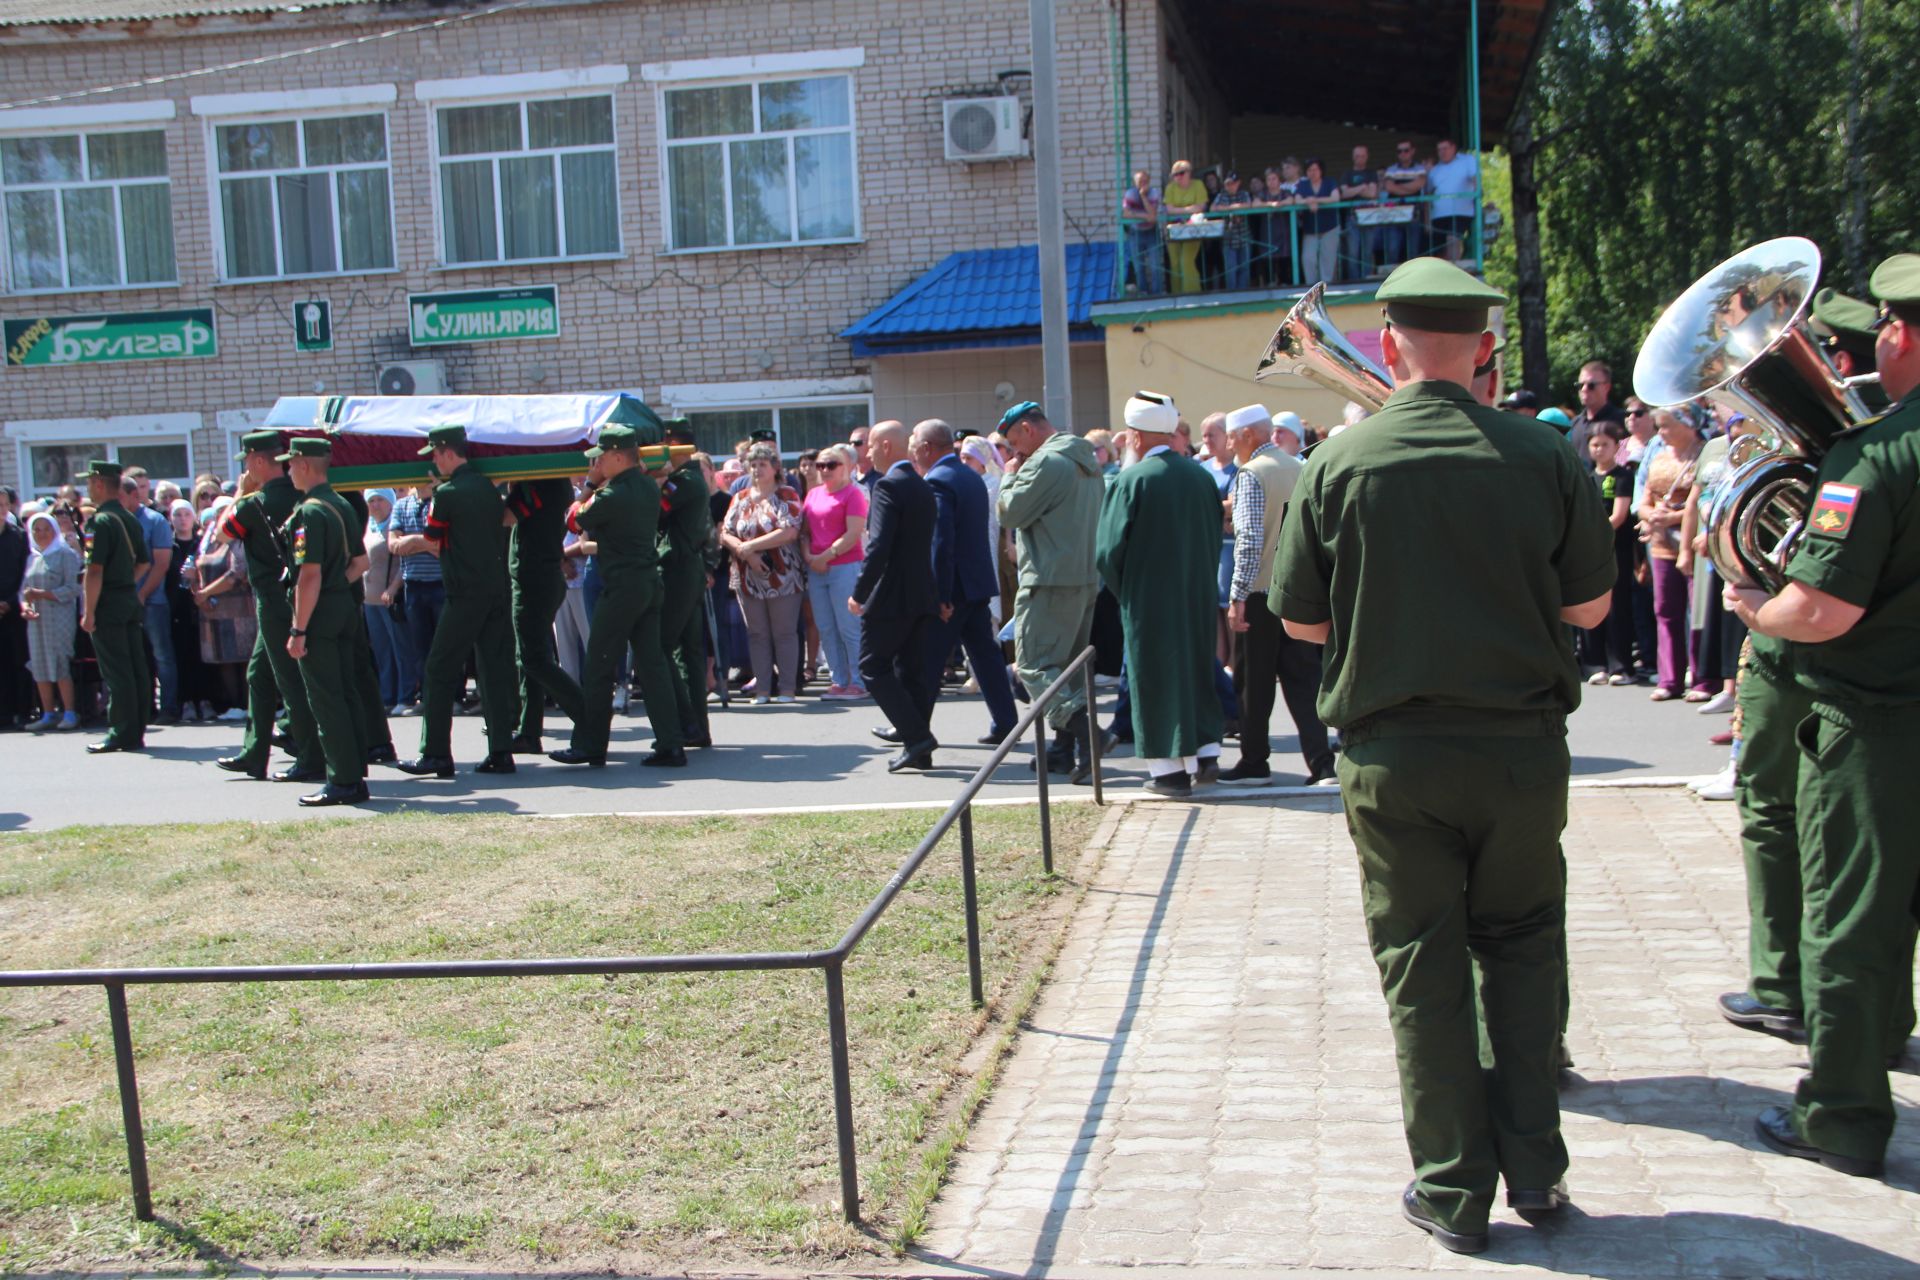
(1436, 296)
(258, 442)
(445, 438)
(102, 468)
(1843, 322)
(307, 447)
(1896, 283)
(615, 437)
(677, 430)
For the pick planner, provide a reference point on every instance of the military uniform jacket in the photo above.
(1862, 544)
(467, 520)
(254, 522)
(686, 523)
(117, 543)
(321, 532)
(1441, 538)
(539, 539)
(623, 520)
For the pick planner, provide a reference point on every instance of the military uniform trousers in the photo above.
(274, 681)
(330, 674)
(1051, 625)
(537, 597)
(627, 618)
(1458, 840)
(1860, 871)
(682, 635)
(120, 649)
(480, 626)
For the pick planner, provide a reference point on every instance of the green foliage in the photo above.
(1673, 134)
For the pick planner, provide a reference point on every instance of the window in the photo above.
(523, 181)
(765, 163)
(53, 452)
(87, 210)
(796, 427)
(304, 197)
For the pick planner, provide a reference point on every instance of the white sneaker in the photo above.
(234, 715)
(784, 698)
(1722, 780)
(1721, 788)
(1720, 703)
(762, 700)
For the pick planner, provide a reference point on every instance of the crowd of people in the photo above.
(1298, 222)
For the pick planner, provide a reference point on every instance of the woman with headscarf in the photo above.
(49, 601)
(216, 575)
(196, 688)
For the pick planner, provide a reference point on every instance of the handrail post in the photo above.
(1040, 772)
(970, 886)
(842, 1092)
(1093, 735)
(129, 1101)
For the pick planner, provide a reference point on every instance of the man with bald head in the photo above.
(863, 465)
(894, 596)
(964, 576)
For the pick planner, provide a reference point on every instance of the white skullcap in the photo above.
(1291, 421)
(1253, 415)
(1152, 412)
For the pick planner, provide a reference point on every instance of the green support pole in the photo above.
(1473, 131)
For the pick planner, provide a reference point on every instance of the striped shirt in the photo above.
(409, 517)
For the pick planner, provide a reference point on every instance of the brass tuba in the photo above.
(1739, 338)
(1308, 344)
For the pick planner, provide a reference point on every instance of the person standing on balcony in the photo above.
(1140, 212)
(1182, 199)
(1319, 228)
(1360, 183)
(1405, 178)
(1454, 179)
(1234, 197)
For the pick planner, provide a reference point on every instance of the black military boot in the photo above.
(1079, 735)
(1059, 754)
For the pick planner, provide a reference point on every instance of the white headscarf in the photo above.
(981, 450)
(53, 550)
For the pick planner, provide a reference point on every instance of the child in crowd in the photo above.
(1611, 643)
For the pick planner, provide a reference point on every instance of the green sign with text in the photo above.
(483, 315)
(133, 335)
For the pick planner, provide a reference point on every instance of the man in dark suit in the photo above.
(894, 596)
(964, 578)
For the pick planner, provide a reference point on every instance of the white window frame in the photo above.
(520, 90)
(83, 123)
(296, 108)
(773, 394)
(235, 423)
(719, 73)
(140, 429)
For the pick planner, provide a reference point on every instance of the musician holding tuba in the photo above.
(1849, 615)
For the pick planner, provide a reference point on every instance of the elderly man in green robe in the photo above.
(1159, 551)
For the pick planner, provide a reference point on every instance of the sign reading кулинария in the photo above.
(132, 335)
(483, 315)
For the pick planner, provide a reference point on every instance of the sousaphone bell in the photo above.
(1308, 344)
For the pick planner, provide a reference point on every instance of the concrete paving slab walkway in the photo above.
(1208, 1081)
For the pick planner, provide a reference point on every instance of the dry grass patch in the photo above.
(585, 1122)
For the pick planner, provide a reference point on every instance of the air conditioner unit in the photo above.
(982, 128)
(413, 378)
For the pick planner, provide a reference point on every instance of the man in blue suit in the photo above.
(963, 575)
(894, 596)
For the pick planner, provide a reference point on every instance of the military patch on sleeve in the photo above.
(300, 545)
(1833, 509)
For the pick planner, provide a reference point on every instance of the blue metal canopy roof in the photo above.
(983, 298)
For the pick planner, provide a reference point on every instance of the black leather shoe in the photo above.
(1109, 743)
(382, 754)
(567, 755)
(1248, 773)
(497, 762)
(294, 773)
(427, 766)
(703, 742)
(1743, 1010)
(527, 744)
(1531, 1203)
(282, 739)
(110, 746)
(886, 733)
(332, 795)
(238, 764)
(1177, 785)
(992, 739)
(1455, 1241)
(1775, 1128)
(662, 759)
(911, 760)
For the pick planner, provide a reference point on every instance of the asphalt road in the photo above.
(809, 754)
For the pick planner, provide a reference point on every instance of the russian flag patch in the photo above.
(1833, 509)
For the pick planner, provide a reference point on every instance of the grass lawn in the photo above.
(583, 1123)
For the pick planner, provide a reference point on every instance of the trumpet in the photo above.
(1308, 344)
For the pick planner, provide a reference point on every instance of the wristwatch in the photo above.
(296, 631)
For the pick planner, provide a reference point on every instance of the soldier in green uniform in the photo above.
(622, 520)
(534, 552)
(1772, 703)
(273, 679)
(1482, 536)
(686, 534)
(1851, 609)
(111, 611)
(325, 558)
(467, 529)
(370, 711)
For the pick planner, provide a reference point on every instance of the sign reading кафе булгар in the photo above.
(51, 341)
(483, 315)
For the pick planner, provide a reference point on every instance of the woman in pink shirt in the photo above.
(836, 524)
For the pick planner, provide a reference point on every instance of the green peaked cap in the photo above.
(447, 437)
(1897, 280)
(102, 468)
(258, 442)
(307, 447)
(1435, 295)
(1844, 322)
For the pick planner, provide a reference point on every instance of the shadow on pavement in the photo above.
(1648, 1246)
(1584, 765)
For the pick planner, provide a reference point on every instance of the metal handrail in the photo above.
(830, 961)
